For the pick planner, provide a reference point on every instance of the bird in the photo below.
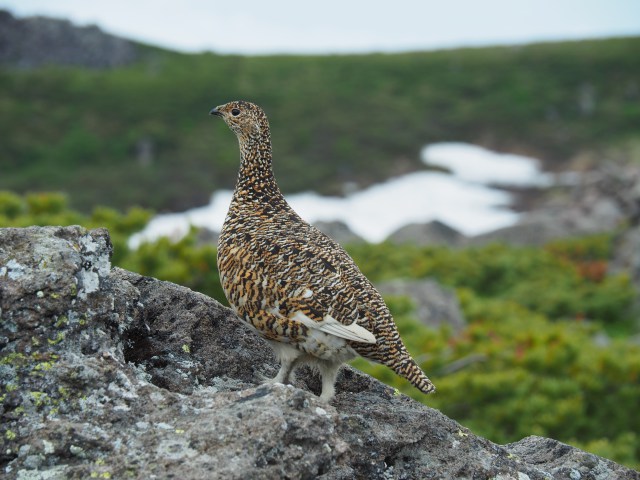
(297, 287)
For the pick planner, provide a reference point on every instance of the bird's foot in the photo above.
(281, 377)
(264, 380)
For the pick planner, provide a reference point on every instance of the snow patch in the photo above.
(463, 199)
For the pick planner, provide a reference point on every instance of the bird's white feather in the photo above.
(332, 326)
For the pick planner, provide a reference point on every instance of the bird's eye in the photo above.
(235, 112)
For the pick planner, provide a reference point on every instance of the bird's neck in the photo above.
(255, 179)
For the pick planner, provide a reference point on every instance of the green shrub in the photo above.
(551, 281)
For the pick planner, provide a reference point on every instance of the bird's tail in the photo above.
(410, 370)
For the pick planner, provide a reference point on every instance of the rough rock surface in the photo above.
(108, 374)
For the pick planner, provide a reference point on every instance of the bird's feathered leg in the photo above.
(329, 373)
(288, 357)
(279, 331)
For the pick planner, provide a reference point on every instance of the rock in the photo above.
(526, 232)
(206, 236)
(38, 41)
(626, 254)
(432, 233)
(109, 374)
(586, 215)
(565, 462)
(435, 305)
(339, 231)
(599, 201)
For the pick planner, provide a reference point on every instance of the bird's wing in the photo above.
(328, 324)
(324, 288)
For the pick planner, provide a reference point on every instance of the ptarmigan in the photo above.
(297, 287)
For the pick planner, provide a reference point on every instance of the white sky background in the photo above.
(342, 26)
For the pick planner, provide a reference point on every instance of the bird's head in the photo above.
(245, 119)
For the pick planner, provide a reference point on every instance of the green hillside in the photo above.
(141, 134)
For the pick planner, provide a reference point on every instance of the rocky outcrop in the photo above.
(536, 230)
(108, 374)
(601, 200)
(339, 231)
(37, 41)
(431, 233)
(435, 306)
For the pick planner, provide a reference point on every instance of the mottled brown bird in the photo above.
(297, 287)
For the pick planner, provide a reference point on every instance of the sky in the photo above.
(342, 26)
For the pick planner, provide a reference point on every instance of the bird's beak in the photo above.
(215, 111)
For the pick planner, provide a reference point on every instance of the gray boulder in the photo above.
(205, 236)
(626, 255)
(431, 233)
(435, 306)
(339, 231)
(529, 232)
(109, 374)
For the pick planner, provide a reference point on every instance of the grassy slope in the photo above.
(334, 118)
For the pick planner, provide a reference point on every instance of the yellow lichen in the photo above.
(57, 340)
(40, 398)
(12, 359)
(46, 366)
(62, 320)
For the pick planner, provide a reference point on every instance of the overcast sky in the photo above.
(342, 26)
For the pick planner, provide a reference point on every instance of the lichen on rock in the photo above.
(96, 382)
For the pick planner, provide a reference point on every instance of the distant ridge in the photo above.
(37, 41)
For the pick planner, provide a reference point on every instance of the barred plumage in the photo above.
(297, 287)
